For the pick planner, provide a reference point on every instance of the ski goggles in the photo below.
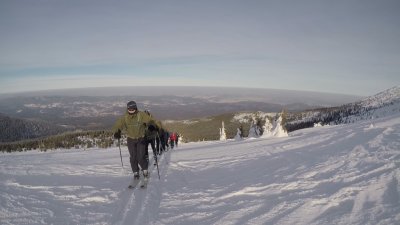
(131, 111)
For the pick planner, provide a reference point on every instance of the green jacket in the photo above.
(135, 125)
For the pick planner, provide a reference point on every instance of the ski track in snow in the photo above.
(347, 174)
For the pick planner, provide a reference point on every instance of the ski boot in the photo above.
(136, 176)
(145, 179)
(135, 181)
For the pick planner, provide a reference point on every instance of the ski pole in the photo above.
(158, 171)
(120, 154)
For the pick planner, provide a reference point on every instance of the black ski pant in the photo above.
(152, 143)
(162, 143)
(137, 152)
(166, 140)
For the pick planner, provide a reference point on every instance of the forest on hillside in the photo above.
(71, 140)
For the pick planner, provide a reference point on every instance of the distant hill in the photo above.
(383, 104)
(12, 129)
(98, 108)
(196, 117)
(211, 94)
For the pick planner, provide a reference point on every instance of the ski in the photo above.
(144, 181)
(134, 183)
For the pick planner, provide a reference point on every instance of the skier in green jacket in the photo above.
(135, 124)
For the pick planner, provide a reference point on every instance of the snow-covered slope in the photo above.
(386, 103)
(347, 174)
(380, 105)
(389, 96)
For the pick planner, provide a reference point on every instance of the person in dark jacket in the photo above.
(161, 138)
(151, 136)
(166, 140)
(134, 124)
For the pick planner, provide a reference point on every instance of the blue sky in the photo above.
(343, 46)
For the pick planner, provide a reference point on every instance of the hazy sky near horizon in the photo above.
(343, 46)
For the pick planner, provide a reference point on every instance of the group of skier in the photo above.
(160, 139)
(142, 130)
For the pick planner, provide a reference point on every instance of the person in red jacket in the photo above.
(172, 139)
(176, 140)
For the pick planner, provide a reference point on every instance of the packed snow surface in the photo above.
(347, 174)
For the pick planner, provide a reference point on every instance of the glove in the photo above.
(117, 135)
(152, 127)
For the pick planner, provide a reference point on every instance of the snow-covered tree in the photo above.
(181, 139)
(238, 136)
(254, 130)
(222, 132)
(279, 130)
(267, 129)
